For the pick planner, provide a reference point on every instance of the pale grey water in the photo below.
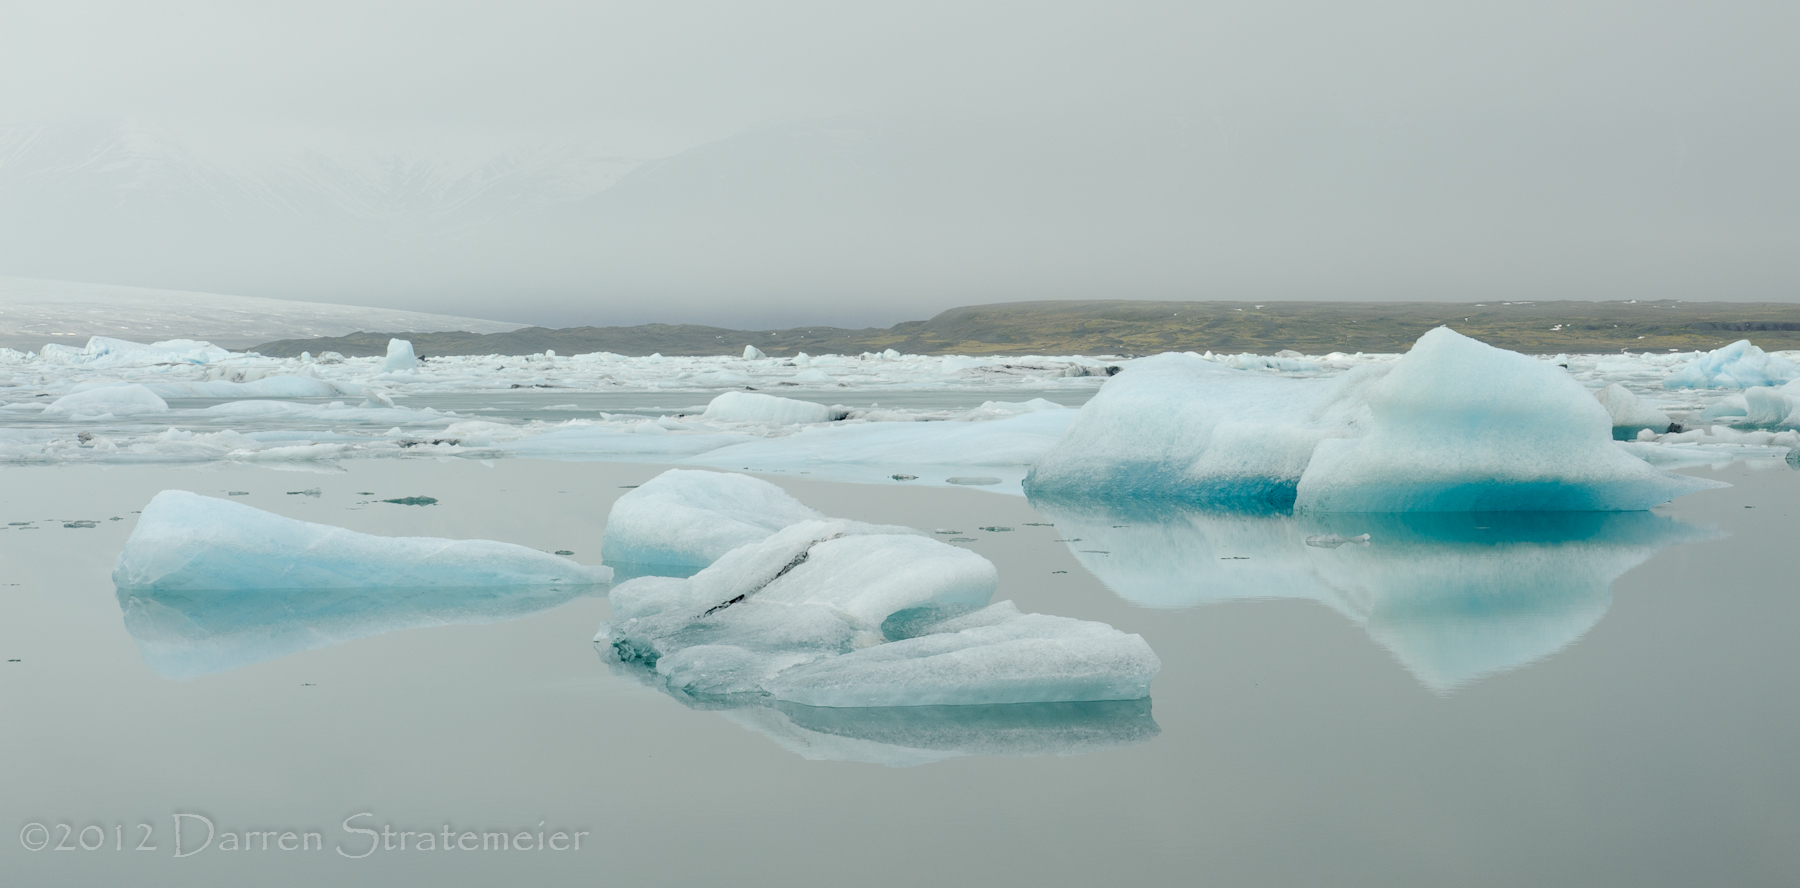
(1539, 723)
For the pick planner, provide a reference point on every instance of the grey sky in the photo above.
(859, 163)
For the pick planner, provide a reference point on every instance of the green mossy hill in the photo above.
(1118, 327)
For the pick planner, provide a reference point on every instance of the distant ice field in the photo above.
(978, 421)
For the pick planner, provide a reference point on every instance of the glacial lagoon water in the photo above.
(1472, 700)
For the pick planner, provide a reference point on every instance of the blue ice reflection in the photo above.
(903, 736)
(184, 634)
(1454, 596)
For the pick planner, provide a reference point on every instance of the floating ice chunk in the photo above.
(267, 387)
(1738, 365)
(1629, 413)
(1179, 425)
(400, 356)
(888, 446)
(994, 655)
(1773, 408)
(752, 353)
(690, 518)
(838, 614)
(105, 351)
(753, 407)
(1459, 425)
(187, 542)
(812, 377)
(129, 399)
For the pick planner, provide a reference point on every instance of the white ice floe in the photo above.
(187, 542)
(690, 518)
(1454, 425)
(1218, 431)
(1738, 365)
(832, 613)
(1630, 413)
(755, 407)
(111, 400)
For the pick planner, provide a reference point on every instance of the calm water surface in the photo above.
(1592, 700)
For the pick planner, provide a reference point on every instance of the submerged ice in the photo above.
(839, 614)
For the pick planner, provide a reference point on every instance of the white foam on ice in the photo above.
(187, 542)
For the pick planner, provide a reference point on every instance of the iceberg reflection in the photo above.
(184, 634)
(903, 736)
(1455, 596)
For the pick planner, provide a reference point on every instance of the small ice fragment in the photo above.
(82, 524)
(904, 477)
(996, 529)
(238, 493)
(1332, 540)
(564, 552)
(754, 407)
(413, 501)
(311, 491)
(973, 480)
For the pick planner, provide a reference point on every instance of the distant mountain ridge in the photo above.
(1120, 327)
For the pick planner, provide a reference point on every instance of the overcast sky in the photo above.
(995, 151)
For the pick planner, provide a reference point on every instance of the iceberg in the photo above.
(1454, 597)
(753, 407)
(840, 614)
(130, 399)
(187, 542)
(752, 353)
(875, 451)
(1179, 425)
(400, 356)
(1454, 425)
(690, 518)
(1630, 414)
(1738, 365)
(1459, 425)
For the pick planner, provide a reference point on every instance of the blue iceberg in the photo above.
(1454, 425)
(187, 542)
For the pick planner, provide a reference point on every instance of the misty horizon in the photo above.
(808, 165)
